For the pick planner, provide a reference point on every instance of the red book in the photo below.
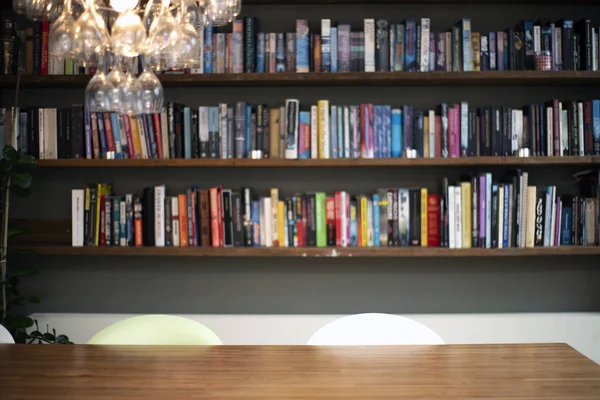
(44, 55)
(299, 223)
(220, 214)
(157, 134)
(110, 137)
(304, 222)
(433, 220)
(438, 136)
(330, 215)
(338, 219)
(214, 218)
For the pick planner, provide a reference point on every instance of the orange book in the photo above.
(183, 221)
(137, 222)
(158, 135)
(214, 216)
(135, 135)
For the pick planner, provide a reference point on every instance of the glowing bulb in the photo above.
(122, 5)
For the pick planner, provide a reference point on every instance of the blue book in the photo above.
(208, 49)
(353, 226)
(150, 138)
(376, 222)
(410, 45)
(341, 131)
(302, 46)
(260, 52)
(387, 130)
(467, 59)
(596, 126)
(396, 146)
(187, 133)
(117, 134)
(548, 201)
(333, 132)
(247, 143)
(566, 226)
(88, 132)
(492, 48)
(213, 133)
(334, 49)
(304, 122)
(505, 215)
(326, 45)
(256, 223)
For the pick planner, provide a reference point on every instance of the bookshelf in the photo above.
(319, 163)
(437, 78)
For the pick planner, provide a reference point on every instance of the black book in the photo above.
(509, 35)
(519, 50)
(60, 133)
(148, 208)
(415, 217)
(583, 29)
(77, 132)
(91, 220)
(418, 133)
(567, 44)
(506, 131)
(444, 214)
(178, 119)
(238, 226)
(195, 138)
(116, 223)
(239, 129)
(247, 216)
(311, 225)
(496, 130)
(108, 218)
(398, 239)
(494, 217)
(382, 45)
(576, 51)
(291, 210)
(230, 135)
(260, 127)
(540, 215)
(33, 117)
(475, 211)
(227, 218)
(472, 138)
(253, 131)
(168, 221)
(265, 132)
(573, 128)
(250, 30)
(392, 241)
(190, 215)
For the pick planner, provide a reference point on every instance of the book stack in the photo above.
(377, 45)
(477, 211)
(323, 131)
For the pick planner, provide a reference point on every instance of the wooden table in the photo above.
(513, 371)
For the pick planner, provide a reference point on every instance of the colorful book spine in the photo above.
(302, 46)
(304, 130)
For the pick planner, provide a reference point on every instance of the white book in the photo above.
(451, 218)
(203, 130)
(175, 220)
(457, 218)
(594, 50)
(369, 28)
(580, 127)
(324, 131)
(537, 39)
(314, 132)
(159, 215)
(564, 135)
(431, 133)
(77, 223)
(519, 129)
(514, 137)
(292, 107)
(198, 67)
(142, 132)
(42, 153)
(500, 215)
(164, 131)
(223, 129)
(550, 132)
(326, 40)
(425, 29)
(347, 132)
(50, 135)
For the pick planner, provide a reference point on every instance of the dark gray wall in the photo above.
(314, 286)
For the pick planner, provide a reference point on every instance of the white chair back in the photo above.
(5, 336)
(374, 329)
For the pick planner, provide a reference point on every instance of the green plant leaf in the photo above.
(62, 339)
(10, 154)
(22, 179)
(23, 272)
(49, 337)
(27, 162)
(17, 230)
(19, 191)
(21, 322)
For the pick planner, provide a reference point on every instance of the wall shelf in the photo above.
(331, 163)
(438, 78)
(332, 252)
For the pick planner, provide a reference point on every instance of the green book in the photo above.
(320, 219)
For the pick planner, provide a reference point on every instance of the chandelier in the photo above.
(160, 35)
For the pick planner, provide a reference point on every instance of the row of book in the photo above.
(378, 46)
(326, 131)
(477, 211)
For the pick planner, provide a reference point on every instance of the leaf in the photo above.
(33, 299)
(19, 191)
(23, 272)
(49, 337)
(17, 230)
(62, 339)
(10, 154)
(27, 162)
(21, 322)
(21, 179)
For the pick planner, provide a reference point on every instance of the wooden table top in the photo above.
(512, 371)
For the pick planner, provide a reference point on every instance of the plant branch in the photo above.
(4, 244)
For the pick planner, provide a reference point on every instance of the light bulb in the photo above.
(122, 5)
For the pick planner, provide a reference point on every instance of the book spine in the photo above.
(208, 50)
(302, 46)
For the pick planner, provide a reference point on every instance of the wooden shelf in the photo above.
(484, 78)
(331, 163)
(313, 252)
(472, 2)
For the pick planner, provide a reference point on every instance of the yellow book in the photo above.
(135, 136)
(423, 217)
(103, 189)
(465, 213)
(281, 220)
(323, 125)
(275, 216)
(274, 115)
(426, 136)
(363, 222)
(476, 50)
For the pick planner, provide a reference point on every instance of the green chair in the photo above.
(156, 330)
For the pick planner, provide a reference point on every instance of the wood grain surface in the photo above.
(512, 371)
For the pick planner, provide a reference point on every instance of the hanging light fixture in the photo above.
(162, 33)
